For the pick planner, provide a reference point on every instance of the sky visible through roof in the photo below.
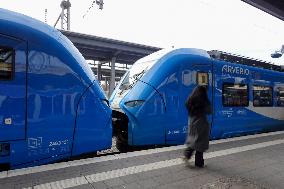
(231, 26)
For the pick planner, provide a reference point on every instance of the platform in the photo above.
(253, 162)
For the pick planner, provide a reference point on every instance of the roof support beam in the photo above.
(103, 49)
(273, 7)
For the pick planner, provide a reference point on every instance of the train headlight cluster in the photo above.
(134, 103)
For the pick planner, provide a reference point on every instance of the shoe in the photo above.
(200, 166)
(186, 161)
(199, 163)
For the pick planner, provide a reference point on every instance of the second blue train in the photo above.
(247, 96)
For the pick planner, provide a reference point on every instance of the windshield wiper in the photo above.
(136, 76)
(123, 87)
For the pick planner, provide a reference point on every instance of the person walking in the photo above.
(198, 106)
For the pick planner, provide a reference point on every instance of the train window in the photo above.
(186, 78)
(202, 78)
(6, 63)
(280, 96)
(235, 94)
(262, 96)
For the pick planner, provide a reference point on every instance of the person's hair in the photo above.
(197, 101)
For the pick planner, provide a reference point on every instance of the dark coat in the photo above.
(198, 131)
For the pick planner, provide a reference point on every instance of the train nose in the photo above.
(93, 123)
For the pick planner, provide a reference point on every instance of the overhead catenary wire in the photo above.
(98, 2)
(89, 9)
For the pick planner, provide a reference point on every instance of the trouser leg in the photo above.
(188, 152)
(199, 161)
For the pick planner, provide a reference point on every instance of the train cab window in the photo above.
(235, 94)
(280, 96)
(202, 78)
(6, 63)
(262, 96)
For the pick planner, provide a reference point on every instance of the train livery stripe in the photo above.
(271, 112)
(56, 166)
(77, 181)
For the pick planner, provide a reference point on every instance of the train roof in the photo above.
(214, 54)
(168, 52)
(24, 27)
(238, 59)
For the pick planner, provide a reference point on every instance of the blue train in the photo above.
(51, 106)
(247, 96)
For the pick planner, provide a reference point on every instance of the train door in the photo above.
(189, 76)
(193, 75)
(12, 88)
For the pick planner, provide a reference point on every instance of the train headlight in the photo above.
(134, 103)
(105, 102)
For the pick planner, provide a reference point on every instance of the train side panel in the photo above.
(230, 118)
(265, 99)
(236, 112)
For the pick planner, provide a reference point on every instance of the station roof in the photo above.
(273, 7)
(104, 49)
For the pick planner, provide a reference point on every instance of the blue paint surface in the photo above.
(54, 101)
(164, 86)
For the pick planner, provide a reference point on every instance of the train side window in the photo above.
(6, 63)
(262, 96)
(202, 78)
(235, 94)
(187, 78)
(280, 96)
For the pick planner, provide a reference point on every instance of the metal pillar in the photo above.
(99, 72)
(112, 78)
(106, 83)
(64, 15)
(106, 86)
(68, 16)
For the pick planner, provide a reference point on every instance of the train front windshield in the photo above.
(129, 80)
(135, 73)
